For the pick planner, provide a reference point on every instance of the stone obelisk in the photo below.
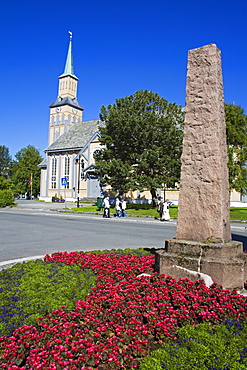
(203, 248)
(204, 187)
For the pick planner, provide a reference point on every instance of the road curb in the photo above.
(7, 264)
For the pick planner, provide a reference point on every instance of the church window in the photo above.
(66, 170)
(54, 173)
(82, 169)
(96, 152)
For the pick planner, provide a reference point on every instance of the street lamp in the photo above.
(78, 185)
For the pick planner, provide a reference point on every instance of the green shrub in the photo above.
(34, 289)
(6, 198)
(220, 347)
(139, 206)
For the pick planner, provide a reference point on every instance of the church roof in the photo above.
(76, 137)
(69, 66)
(73, 102)
(43, 164)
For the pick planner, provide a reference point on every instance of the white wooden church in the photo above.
(67, 170)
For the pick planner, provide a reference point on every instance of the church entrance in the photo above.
(93, 189)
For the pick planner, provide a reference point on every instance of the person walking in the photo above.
(166, 213)
(124, 206)
(118, 208)
(160, 209)
(106, 205)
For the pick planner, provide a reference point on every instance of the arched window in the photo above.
(66, 170)
(82, 164)
(54, 173)
(96, 152)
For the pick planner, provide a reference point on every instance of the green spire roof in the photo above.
(69, 66)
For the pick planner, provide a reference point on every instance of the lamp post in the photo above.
(78, 184)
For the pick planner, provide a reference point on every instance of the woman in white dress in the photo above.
(166, 214)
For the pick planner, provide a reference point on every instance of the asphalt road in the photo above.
(35, 229)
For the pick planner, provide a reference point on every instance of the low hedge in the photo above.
(221, 347)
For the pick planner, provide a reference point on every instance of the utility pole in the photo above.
(31, 185)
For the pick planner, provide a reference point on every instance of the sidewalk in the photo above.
(30, 205)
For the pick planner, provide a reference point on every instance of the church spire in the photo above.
(66, 110)
(68, 80)
(69, 66)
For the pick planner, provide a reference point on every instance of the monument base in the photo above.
(221, 263)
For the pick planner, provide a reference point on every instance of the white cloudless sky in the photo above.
(119, 47)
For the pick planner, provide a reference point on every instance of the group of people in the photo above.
(163, 210)
(120, 207)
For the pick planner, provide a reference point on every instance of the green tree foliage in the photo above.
(6, 198)
(26, 163)
(5, 184)
(5, 161)
(6, 194)
(142, 140)
(236, 131)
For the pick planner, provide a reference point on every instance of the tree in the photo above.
(5, 161)
(5, 184)
(142, 140)
(25, 166)
(236, 132)
(6, 194)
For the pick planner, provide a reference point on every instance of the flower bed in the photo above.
(120, 321)
(36, 288)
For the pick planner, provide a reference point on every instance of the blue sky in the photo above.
(119, 47)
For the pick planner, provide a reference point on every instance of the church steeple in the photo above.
(69, 66)
(68, 80)
(66, 110)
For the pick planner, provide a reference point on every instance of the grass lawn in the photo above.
(238, 213)
(146, 210)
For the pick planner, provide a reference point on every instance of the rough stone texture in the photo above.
(204, 189)
(224, 263)
(203, 246)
